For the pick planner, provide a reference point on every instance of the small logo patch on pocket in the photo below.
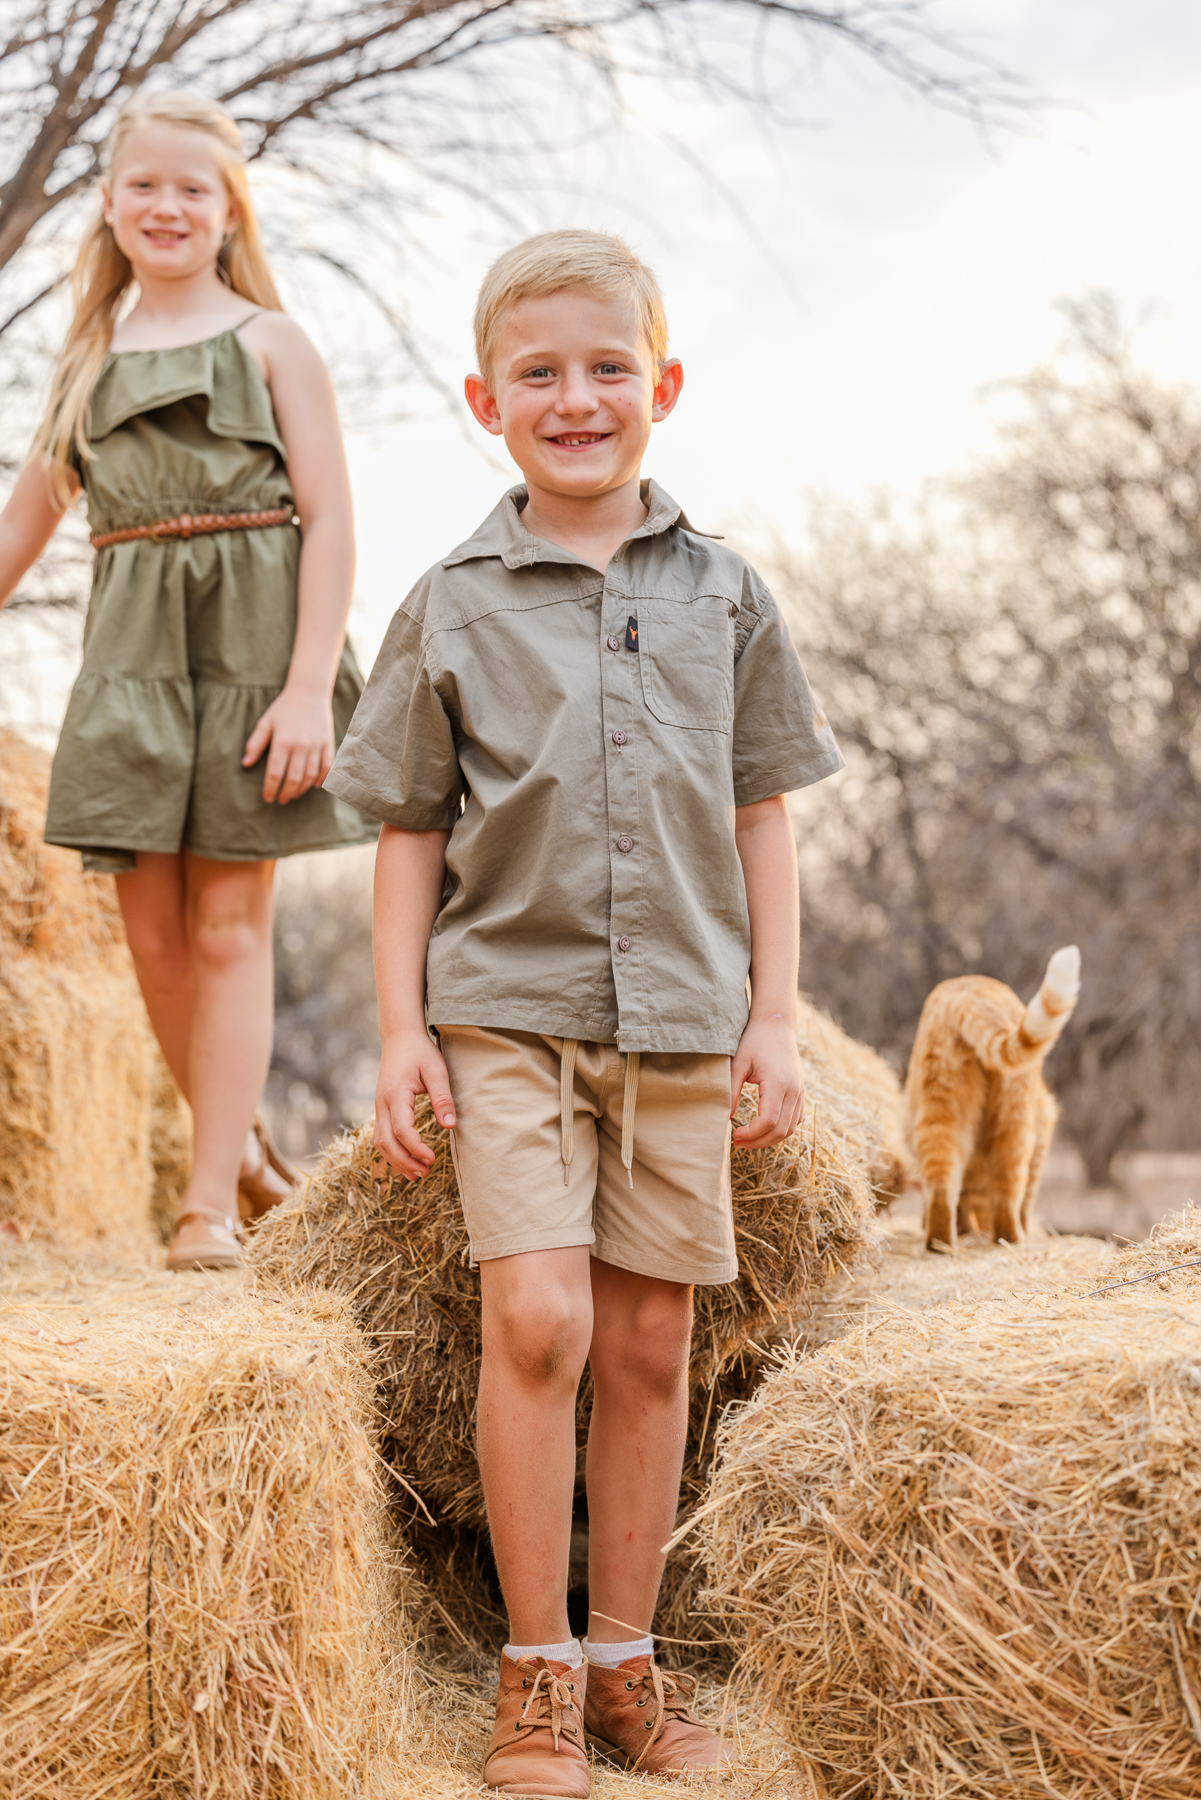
(631, 634)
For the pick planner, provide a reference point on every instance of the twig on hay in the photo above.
(1150, 1275)
(659, 1638)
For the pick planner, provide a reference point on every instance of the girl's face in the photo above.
(167, 202)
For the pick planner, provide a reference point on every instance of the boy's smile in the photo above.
(574, 391)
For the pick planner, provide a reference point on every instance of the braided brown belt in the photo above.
(195, 525)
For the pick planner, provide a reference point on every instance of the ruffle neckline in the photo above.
(219, 369)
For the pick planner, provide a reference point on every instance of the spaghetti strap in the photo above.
(250, 315)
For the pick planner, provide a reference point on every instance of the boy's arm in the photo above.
(767, 1051)
(410, 868)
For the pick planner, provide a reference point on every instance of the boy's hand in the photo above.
(767, 1056)
(300, 730)
(411, 1065)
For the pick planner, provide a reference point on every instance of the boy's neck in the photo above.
(592, 526)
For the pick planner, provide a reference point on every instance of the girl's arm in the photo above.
(299, 723)
(767, 1051)
(28, 523)
(410, 869)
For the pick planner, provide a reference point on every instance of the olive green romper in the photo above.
(187, 641)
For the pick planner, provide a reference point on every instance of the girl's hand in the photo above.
(300, 730)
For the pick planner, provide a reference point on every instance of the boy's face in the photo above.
(574, 393)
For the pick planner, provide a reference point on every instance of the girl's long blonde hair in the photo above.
(103, 274)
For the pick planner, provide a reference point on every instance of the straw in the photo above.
(961, 1548)
(81, 1081)
(200, 1594)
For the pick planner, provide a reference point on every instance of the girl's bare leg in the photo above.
(229, 914)
(152, 899)
(200, 935)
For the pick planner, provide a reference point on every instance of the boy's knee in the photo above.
(543, 1335)
(652, 1346)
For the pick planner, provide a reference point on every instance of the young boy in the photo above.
(578, 735)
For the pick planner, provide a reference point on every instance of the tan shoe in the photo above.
(636, 1715)
(265, 1179)
(537, 1747)
(205, 1240)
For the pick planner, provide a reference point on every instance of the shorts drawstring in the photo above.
(567, 1104)
(629, 1101)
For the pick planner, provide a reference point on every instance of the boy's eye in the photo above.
(609, 368)
(538, 374)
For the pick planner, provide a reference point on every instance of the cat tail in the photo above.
(1055, 1001)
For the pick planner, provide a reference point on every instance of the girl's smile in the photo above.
(166, 200)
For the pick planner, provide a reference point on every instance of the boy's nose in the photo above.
(576, 396)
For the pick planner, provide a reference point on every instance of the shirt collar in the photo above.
(502, 533)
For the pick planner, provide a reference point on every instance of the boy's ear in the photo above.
(667, 388)
(482, 404)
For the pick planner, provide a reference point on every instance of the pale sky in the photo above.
(911, 266)
(922, 264)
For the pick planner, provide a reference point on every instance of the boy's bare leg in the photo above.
(537, 1325)
(642, 1329)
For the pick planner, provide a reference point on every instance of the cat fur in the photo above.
(978, 1114)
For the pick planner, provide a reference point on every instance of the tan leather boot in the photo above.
(637, 1715)
(537, 1748)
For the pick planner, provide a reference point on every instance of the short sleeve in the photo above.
(398, 760)
(782, 739)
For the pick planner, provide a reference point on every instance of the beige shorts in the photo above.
(539, 1152)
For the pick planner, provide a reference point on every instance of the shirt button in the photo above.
(619, 738)
(614, 643)
(623, 944)
(625, 844)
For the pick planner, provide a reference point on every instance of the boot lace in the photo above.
(669, 1694)
(550, 1697)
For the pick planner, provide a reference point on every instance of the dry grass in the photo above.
(859, 1097)
(962, 1547)
(907, 1275)
(79, 1069)
(904, 1275)
(199, 1594)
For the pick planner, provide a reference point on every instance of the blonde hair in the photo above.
(595, 261)
(103, 273)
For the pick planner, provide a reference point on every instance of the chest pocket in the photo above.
(686, 655)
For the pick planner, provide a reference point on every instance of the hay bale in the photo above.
(400, 1249)
(198, 1593)
(79, 1068)
(961, 1547)
(860, 1098)
(907, 1275)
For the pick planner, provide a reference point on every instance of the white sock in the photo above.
(571, 1652)
(609, 1656)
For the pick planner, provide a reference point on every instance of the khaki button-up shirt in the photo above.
(585, 740)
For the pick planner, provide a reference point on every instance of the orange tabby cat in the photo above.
(977, 1111)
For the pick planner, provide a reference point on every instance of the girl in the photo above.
(201, 425)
